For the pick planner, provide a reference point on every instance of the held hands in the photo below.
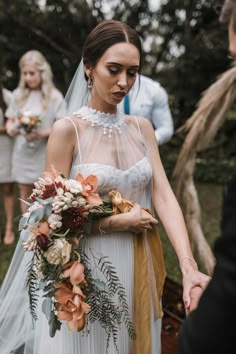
(194, 284)
(195, 295)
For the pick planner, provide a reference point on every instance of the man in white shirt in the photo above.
(149, 99)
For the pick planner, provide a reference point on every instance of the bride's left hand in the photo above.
(193, 278)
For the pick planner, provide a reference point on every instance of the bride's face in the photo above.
(114, 75)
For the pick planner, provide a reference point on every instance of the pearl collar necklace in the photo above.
(108, 121)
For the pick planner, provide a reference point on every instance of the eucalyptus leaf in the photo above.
(45, 201)
(47, 308)
(22, 223)
(47, 210)
(54, 324)
(25, 202)
(36, 216)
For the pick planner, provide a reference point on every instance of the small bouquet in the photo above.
(27, 122)
(61, 212)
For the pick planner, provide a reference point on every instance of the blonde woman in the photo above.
(6, 180)
(35, 96)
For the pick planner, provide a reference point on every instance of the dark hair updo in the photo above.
(106, 34)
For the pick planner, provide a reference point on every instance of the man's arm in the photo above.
(161, 117)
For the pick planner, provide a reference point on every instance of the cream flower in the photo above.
(74, 186)
(25, 120)
(54, 221)
(59, 252)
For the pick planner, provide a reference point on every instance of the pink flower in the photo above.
(89, 185)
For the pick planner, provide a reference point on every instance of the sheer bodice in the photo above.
(117, 155)
(137, 177)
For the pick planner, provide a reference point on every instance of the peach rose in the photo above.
(70, 306)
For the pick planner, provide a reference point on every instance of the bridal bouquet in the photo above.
(60, 214)
(27, 122)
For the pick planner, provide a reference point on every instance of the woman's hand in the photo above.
(34, 135)
(10, 128)
(194, 283)
(136, 220)
(139, 219)
(195, 295)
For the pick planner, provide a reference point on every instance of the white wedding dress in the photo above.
(120, 162)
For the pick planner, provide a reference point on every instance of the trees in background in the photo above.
(194, 51)
(184, 44)
(57, 28)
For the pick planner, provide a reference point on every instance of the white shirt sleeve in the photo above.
(161, 117)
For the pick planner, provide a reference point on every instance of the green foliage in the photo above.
(193, 52)
(32, 286)
(107, 297)
(211, 166)
(58, 29)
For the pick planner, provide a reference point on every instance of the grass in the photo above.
(210, 196)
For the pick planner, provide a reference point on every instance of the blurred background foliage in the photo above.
(185, 48)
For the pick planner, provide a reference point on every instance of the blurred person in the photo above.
(210, 327)
(149, 99)
(6, 180)
(35, 96)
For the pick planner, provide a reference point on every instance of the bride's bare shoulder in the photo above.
(144, 123)
(63, 127)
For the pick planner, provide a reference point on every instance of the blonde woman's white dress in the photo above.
(28, 158)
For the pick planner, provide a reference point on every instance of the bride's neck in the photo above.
(102, 106)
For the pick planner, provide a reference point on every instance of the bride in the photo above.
(122, 152)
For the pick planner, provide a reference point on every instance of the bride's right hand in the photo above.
(136, 220)
(139, 219)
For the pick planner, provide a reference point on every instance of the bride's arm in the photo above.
(60, 146)
(170, 214)
(134, 221)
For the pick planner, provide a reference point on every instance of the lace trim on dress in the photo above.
(108, 121)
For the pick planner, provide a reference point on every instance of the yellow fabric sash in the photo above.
(149, 278)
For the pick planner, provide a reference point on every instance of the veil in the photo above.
(78, 93)
(117, 153)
